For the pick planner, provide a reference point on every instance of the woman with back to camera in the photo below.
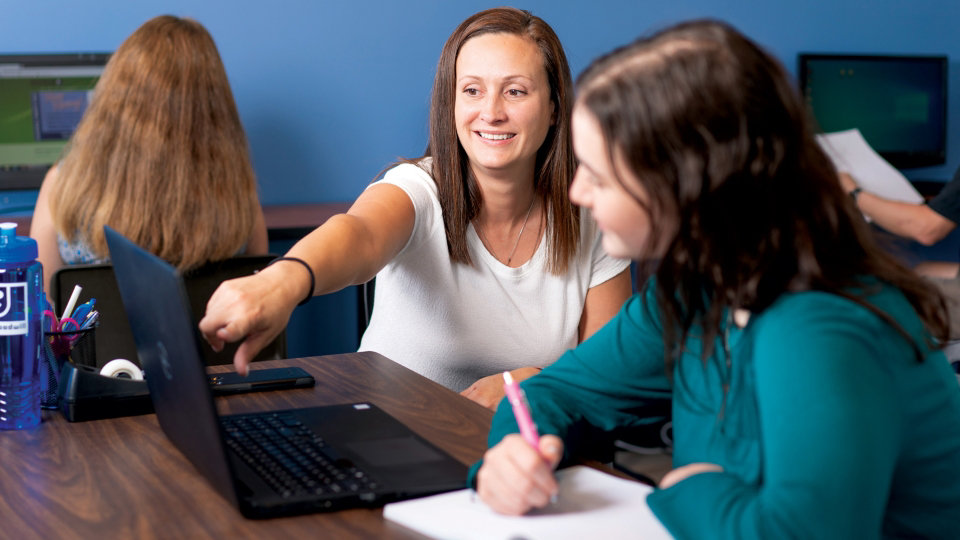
(160, 155)
(810, 397)
(482, 263)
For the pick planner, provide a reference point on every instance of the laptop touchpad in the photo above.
(394, 452)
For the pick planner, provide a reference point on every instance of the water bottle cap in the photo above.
(15, 248)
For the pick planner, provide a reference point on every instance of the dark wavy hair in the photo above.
(459, 194)
(719, 138)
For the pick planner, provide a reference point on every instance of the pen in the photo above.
(83, 310)
(90, 320)
(521, 411)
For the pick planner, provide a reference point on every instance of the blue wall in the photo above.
(331, 92)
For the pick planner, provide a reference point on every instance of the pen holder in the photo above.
(77, 346)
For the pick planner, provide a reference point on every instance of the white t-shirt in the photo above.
(455, 323)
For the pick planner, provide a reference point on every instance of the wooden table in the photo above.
(122, 478)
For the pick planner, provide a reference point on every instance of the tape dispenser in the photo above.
(88, 393)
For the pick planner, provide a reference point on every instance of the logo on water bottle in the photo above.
(13, 315)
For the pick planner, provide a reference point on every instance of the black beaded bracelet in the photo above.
(854, 192)
(313, 280)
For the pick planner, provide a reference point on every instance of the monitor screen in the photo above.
(42, 98)
(899, 103)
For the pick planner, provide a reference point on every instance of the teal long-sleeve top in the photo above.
(829, 427)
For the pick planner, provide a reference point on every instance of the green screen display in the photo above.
(897, 103)
(42, 99)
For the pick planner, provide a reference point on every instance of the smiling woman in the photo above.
(502, 113)
(482, 263)
(503, 107)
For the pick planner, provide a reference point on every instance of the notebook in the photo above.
(271, 463)
(591, 504)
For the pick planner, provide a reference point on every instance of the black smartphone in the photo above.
(258, 380)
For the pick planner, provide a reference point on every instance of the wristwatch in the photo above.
(854, 192)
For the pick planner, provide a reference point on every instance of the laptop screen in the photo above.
(42, 98)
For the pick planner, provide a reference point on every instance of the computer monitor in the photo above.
(42, 98)
(899, 103)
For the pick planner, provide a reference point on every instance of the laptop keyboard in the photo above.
(290, 457)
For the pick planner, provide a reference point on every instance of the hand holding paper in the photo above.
(851, 153)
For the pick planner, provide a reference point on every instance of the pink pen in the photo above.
(521, 411)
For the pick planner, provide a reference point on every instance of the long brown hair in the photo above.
(720, 140)
(460, 196)
(160, 154)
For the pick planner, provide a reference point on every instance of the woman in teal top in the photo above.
(810, 397)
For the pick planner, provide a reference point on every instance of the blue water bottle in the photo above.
(21, 294)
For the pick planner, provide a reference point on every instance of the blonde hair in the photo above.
(160, 154)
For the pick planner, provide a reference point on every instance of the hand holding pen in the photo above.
(517, 473)
(528, 428)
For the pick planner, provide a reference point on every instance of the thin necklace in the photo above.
(517, 243)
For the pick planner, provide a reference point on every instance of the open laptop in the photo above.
(349, 455)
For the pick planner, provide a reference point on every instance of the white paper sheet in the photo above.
(851, 154)
(592, 504)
